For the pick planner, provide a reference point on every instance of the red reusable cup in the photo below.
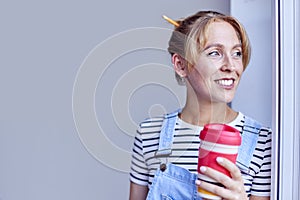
(216, 140)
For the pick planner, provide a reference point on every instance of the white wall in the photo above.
(254, 96)
(289, 118)
(43, 46)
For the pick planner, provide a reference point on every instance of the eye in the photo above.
(237, 54)
(214, 53)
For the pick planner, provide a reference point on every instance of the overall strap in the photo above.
(249, 140)
(166, 134)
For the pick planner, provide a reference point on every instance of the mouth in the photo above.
(226, 83)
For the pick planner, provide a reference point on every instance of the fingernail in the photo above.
(198, 182)
(202, 169)
(220, 160)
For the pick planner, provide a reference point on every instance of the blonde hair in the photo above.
(190, 36)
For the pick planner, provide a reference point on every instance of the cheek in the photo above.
(239, 67)
(200, 80)
(198, 76)
(204, 71)
(240, 71)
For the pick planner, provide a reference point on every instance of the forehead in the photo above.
(221, 32)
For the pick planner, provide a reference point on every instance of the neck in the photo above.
(198, 112)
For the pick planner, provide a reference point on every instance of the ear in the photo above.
(180, 65)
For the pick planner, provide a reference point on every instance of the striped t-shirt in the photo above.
(185, 153)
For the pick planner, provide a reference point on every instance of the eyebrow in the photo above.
(220, 46)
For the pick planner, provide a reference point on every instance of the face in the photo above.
(218, 70)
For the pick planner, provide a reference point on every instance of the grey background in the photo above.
(254, 96)
(42, 46)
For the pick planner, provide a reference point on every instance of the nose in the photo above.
(228, 63)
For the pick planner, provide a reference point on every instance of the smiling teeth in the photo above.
(225, 82)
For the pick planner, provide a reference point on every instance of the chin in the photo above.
(229, 100)
(225, 98)
(225, 101)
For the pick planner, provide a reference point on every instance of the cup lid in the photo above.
(221, 133)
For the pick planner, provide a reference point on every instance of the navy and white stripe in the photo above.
(185, 153)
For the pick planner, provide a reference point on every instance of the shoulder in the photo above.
(252, 125)
(150, 127)
(151, 123)
(154, 123)
(249, 124)
(249, 121)
(261, 134)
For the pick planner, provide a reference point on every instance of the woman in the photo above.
(210, 52)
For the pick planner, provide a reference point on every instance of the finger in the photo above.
(217, 190)
(234, 189)
(218, 176)
(231, 167)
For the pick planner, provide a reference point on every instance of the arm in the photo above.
(139, 173)
(138, 192)
(261, 187)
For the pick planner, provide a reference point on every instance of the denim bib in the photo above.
(176, 183)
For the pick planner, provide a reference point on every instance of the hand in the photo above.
(234, 187)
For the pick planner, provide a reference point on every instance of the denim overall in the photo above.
(176, 183)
